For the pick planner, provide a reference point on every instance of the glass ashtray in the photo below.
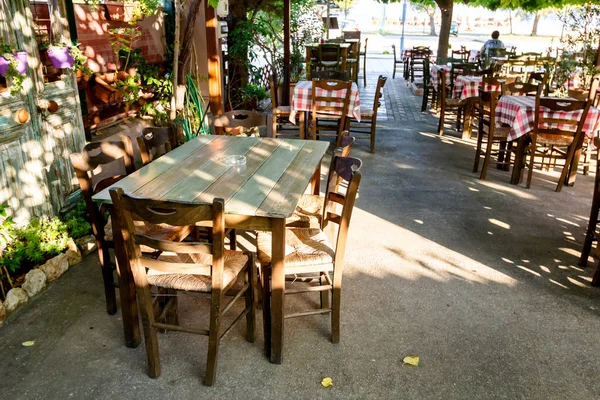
(235, 161)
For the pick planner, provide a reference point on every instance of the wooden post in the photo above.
(176, 46)
(214, 62)
(286, 53)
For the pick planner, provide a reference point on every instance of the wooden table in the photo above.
(519, 113)
(258, 196)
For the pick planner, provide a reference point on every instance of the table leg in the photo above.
(302, 124)
(519, 156)
(574, 165)
(277, 289)
(315, 182)
(466, 131)
(129, 311)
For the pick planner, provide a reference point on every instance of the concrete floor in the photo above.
(478, 278)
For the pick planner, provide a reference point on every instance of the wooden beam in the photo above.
(286, 53)
(213, 50)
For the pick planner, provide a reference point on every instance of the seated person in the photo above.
(493, 43)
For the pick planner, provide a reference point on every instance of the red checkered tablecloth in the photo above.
(468, 86)
(433, 73)
(303, 97)
(519, 113)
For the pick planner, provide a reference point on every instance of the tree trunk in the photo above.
(536, 19)
(187, 38)
(175, 60)
(432, 24)
(237, 66)
(510, 21)
(446, 9)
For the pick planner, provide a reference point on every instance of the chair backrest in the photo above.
(447, 60)
(231, 120)
(330, 52)
(517, 88)
(206, 257)
(330, 97)
(330, 74)
(564, 120)
(379, 93)
(346, 168)
(92, 179)
(365, 46)
(488, 83)
(394, 50)
(487, 109)
(461, 54)
(591, 94)
(419, 54)
(496, 52)
(155, 141)
(351, 34)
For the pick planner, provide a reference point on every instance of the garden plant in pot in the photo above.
(108, 88)
(60, 56)
(13, 65)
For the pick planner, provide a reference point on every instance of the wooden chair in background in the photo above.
(239, 121)
(399, 62)
(429, 91)
(281, 125)
(367, 127)
(447, 103)
(490, 133)
(330, 56)
(516, 88)
(331, 74)
(591, 235)
(561, 142)
(329, 107)
(154, 142)
(363, 54)
(318, 255)
(196, 267)
(417, 57)
(93, 155)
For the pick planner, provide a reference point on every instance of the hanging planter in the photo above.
(60, 57)
(20, 58)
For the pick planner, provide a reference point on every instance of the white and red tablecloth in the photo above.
(302, 99)
(433, 73)
(519, 113)
(466, 86)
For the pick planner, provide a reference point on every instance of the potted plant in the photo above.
(13, 65)
(60, 56)
(82, 72)
(252, 95)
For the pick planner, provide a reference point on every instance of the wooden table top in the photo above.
(276, 173)
(342, 45)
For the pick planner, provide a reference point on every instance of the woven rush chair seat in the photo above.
(283, 109)
(304, 247)
(499, 132)
(157, 231)
(554, 140)
(234, 263)
(308, 213)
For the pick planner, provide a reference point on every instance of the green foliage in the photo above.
(579, 44)
(80, 59)
(77, 223)
(122, 41)
(16, 78)
(33, 244)
(194, 118)
(6, 228)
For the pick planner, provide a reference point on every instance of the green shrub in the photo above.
(77, 223)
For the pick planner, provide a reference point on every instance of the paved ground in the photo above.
(477, 278)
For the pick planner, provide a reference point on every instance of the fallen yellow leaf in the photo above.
(411, 360)
(326, 382)
(28, 343)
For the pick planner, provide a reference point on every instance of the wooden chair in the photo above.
(363, 53)
(489, 132)
(396, 62)
(281, 125)
(448, 103)
(318, 253)
(461, 54)
(330, 56)
(539, 78)
(367, 127)
(325, 105)
(196, 267)
(85, 163)
(594, 97)
(590, 235)
(516, 88)
(238, 121)
(353, 61)
(563, 141)
(417, 57)
(429, 91)
(309, 211)
(155, 141)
